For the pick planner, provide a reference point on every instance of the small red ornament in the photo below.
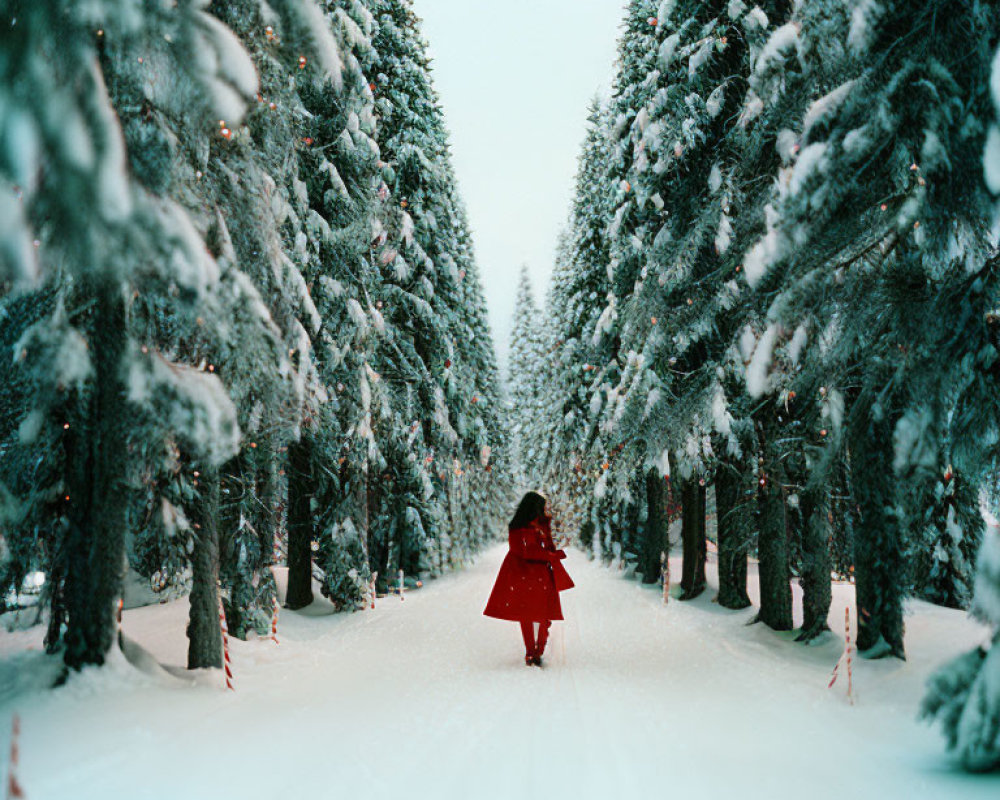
(653, 21)
(307, 140)
(226, 134)
(302, 62)
(447, 363)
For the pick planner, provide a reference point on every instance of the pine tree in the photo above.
(328, 467)
(963, 694)
(90, 211)
(524, 372)
(578, 291)
(911, 241)
(430, 287)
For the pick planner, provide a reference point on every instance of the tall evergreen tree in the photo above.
(106, 238)
(524, 380)
(576, 299)
(914, 237)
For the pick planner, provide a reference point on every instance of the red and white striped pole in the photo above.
(274, 617)
(846, 658)
(372, 591)
(849, 651)
(401, 585)
(665, 572)
(226, 663)
(14, 790)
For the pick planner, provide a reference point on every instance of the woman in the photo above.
(531, 577)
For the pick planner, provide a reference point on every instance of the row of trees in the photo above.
(243, 308)
(779, 280)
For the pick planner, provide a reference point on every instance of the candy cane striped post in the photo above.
(371, 588)
(14, 790)
(226, 663)
(401, 585)
(665, 572)
(849, 651)
(274, 618)
(845, 658)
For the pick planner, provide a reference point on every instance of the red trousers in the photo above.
(533, 647)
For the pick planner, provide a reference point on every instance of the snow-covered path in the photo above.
(427, 698)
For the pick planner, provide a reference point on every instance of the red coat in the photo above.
(530, 579)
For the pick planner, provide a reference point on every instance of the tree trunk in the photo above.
(269, 490)
(657, 527)
(880, 566)
(732, 550)
(203, 630)
(772, 553)
(300, 525)
(693, 539)
(97, 460)
(817, 593)
(230, 517)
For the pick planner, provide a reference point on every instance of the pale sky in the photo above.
(516, 78)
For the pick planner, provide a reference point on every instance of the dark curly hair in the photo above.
(531, 507)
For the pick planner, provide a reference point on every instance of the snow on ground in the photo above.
(427, 698)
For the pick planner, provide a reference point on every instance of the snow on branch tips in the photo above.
(991, 153)
(229, 75)
(55, 354)
(192, 404)
(310, 25)
(758, 376)
(763, 255)
(18, 259)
